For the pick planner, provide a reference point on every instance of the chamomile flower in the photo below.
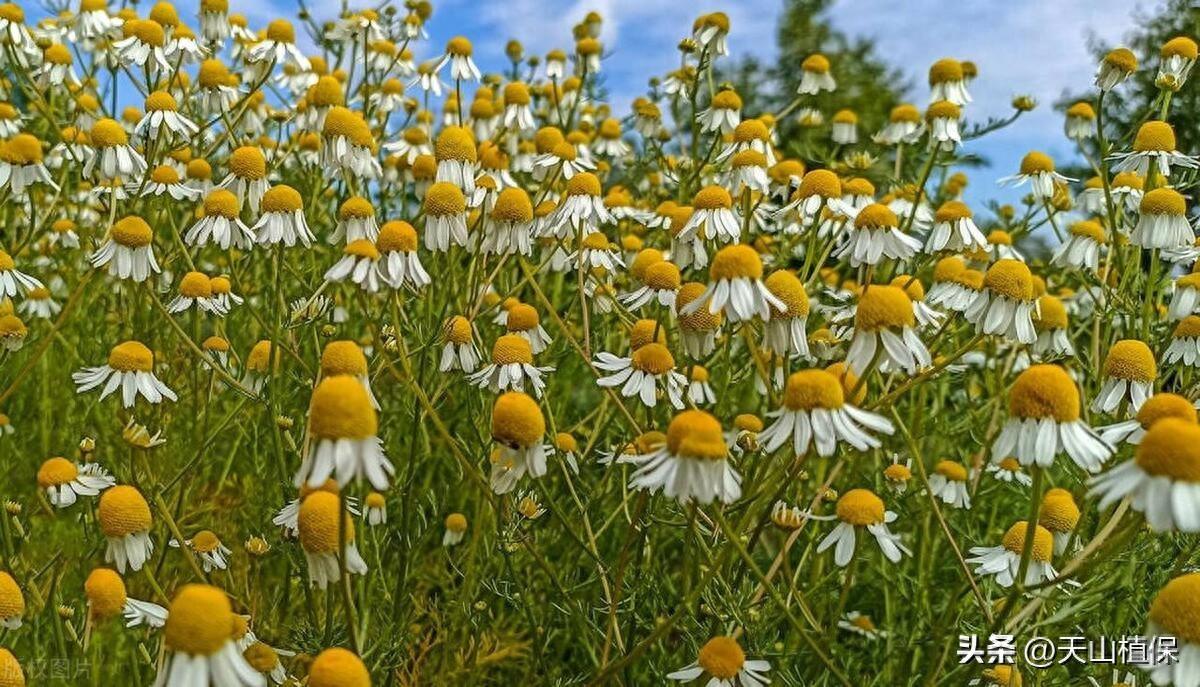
(14, 282)
(1005, 305)
(523, 320)
(64, 481)
(282, 219)
(130, 368)
(458, 350)
(904, 126)
(784, 334)
(144, 46)
(1008, 470)
(319, 526)
(124, 518)
(1162, 480)
(107, 598)
(1050, 321)
(949, 483)
(698, 329)
(1115, 67)
(943, 118)
(693, 464)
(1082, 247)
(164, 180)
(815, 413)
(208, 548)
(344, 429)
(660, 283)
(21, 164)
(195, 290)
(511, 367)
(338, 667)
(1170, 616)
(861, 508)
(1185, 300)
(347, 144)
(1004, 561)
(1044, 421)
(861, 625)
(1162, 222)
(277, 47)
(582, 211)
(198, 640)
(1128, 378)
(1176, 59)
(875, 235)
(247, 177)
(114, 158)
(723, 114)
(163, 117)
(1159, 406)
(1059, 514)
(885, 333)
(815, 76)
(640, 374)
(221, 224)
(736, 287)
(346, 357)
(1037, 169)
(399, 264)
(1153, 149)
(518, 428)
(954, 229)
(510, 229)
(818, 189)
(359, 264)
(724, 661)
(844, 127)
(1185, 343)
(712, 217)
(455, 526)
(445, 216)
(459, 56)
(1080, 122)
(947, 82)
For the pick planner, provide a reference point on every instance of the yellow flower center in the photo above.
(736, 261)
(517, 420)
(788, 288)
(248, 162)
(1171, 448)
(281, 31)
(341, 409)
(884, 307)
(1043, 391)
(455, 143)
(696, 434)
(456, 522)
(945, 70)
(132, 232)
(1082, 110)
(105, 591)
(1164, 405)
(1180, 46)
(1059, 512)
(1002, 676)
(205, 541)
(897, 472)
(646, 331)
(164, 174)
(131, 356)
(522, 317)
(56, 472)
(820, 182)
(338, 667)
(221, 203)
(751, 130)
(860, 507)
(815, 63)
(1188, 327)
(876, 216)
(261, 657)
(653, 358)
(444, 198)
(195, 285)
(712, 198)
(722, 658)
(943, 109)
(1122, 59)
(457, 330)
(1043, 541)
(1154, 136)
(123, 511)
(510, 349)
(318, 522)
(200, 620)
(343, 358)
(701, 319)
(282, 198)
(1176, 608)
(951, 470)
(1010, 278)
(662, 275)
(1163, 201)
(362, 248)
(1050, 314)
(811, 389)
(1131, 359)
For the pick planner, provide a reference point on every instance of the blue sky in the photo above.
(1021, 46)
